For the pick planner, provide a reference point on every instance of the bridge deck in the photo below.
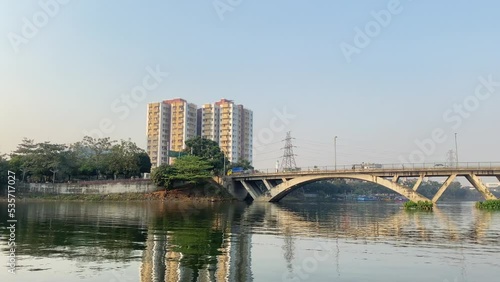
(410, 172)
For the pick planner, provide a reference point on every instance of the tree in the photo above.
(49, 159)
(144, 163)
(38, 160)
(81, 155)
(192, 169)
(22, 161)
(164, 176)
(99, 148)
(207, 150)
(125, 159)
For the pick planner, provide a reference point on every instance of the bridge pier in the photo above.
(478, 184)
(267, 184)
(419, 181)
(443, 188)
(250, 189)
(395, 178)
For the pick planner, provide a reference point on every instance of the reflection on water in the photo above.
(152, 242)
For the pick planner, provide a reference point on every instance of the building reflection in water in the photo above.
(163, 259)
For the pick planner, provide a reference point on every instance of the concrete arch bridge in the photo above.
(274, 186)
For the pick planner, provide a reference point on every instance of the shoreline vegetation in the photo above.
(489, 205)
(418, 206)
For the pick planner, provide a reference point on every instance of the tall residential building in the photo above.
(231, 126)
(169, 124)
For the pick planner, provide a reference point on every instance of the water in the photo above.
(120, 242)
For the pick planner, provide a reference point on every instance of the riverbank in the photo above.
(188, 193)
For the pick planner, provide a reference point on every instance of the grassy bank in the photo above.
(489, 205)
(420, 205)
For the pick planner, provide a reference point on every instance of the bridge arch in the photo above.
(285, 188)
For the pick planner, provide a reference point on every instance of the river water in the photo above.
(121, 242)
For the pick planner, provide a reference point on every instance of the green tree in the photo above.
(49, 160)
(22, 160)
(164, 176)
(125, 159)
(192, 169)
(38, 160)
(144, 163)
(81, 155)
(207, 150)
(99, 150)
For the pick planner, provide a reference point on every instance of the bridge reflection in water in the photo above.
(171, 255)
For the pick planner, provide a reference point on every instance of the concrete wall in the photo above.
(95, 187)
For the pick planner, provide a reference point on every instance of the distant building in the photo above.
(169, 124)
(231, 126)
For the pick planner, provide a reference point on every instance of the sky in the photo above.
(393, 80)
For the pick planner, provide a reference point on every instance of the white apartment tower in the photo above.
(231, 126)
(169, 124)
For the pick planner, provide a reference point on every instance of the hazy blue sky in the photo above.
(267, 55)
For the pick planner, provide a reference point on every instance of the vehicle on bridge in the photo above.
(239, 170)
(296, 169)
(366, 166)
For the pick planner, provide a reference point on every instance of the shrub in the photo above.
(420, 205)
(489, 205)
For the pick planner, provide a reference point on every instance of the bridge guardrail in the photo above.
(382, 167)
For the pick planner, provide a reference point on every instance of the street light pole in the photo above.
(335, 150)
(456, 149)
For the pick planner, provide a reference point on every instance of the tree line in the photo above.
(89, 159)
(103, 158)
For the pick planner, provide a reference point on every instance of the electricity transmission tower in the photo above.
(451, 158)
(288, 160)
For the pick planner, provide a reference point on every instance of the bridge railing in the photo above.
(382, 167)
